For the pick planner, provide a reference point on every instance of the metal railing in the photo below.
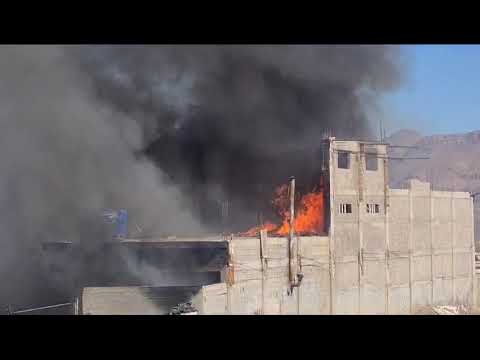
(40, 308)
(74, 305)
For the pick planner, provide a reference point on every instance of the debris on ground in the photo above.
(450, 310)
(444, 310)
(184, 309)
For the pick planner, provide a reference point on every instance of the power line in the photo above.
(36, 309)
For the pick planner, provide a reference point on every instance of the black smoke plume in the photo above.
(65, 158)
(171, 133)
(229, 123)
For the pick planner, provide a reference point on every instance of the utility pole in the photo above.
(294, 276)
(291, 235)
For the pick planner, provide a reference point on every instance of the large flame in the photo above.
(309, 217)
(256, 230)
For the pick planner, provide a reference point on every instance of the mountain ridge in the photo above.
(450, 162)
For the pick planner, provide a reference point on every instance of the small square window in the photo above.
(345, 208)
(373, 209)
(371, 162)
(343, 160)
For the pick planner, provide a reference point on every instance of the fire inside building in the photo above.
(338, 242)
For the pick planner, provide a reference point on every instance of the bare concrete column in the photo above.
(292, 255)
(387, 236)
(474, 270)
(432, 257)
(410, 247)
(331, 243)
(453, 229)
(263, 239)
(230, 277)
(360, 210)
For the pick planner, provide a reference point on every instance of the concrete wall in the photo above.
(358, 239)
(431, 241)
(258, 279)
(134, 300)
(416, 251)
(419, 253)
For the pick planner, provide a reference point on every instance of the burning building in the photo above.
(190, 139)
(343, 244)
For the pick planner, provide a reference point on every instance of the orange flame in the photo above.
(256, 230)
(309, 220)
(309, 217)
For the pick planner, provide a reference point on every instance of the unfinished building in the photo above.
(381, 251)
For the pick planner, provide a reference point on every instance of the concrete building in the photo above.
(130, 276)
(384, 251)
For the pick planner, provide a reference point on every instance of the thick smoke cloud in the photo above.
(80, 126)
(229, 122)
(66, 157)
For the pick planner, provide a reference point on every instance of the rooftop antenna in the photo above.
(327, 133)
(382, 130)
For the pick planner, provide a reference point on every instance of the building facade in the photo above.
(383, 251)
(387, 251)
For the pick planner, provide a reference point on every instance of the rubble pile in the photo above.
(184, 309)
(443, 310)
(450, 310)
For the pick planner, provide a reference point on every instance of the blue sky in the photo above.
(441, 90)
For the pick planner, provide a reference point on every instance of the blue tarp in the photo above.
(120, 219)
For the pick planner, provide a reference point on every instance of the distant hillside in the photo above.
(453, 162)
(404, 137)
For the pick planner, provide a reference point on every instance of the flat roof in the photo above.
(161, 239)
(361, 141)
(177, 244)
(218, 241)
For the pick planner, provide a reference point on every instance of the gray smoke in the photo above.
(65, 157)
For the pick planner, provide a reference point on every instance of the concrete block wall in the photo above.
(431, 240)
(358, 238)
(258, 279)
(409, 254)
(418, 253)
(135, 300)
